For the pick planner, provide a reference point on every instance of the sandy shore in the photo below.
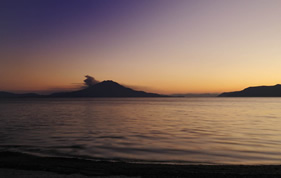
(23, 165)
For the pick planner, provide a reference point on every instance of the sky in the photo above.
(164, 46)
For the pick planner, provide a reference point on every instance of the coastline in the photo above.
(23, 164)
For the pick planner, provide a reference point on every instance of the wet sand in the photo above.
(22, 165)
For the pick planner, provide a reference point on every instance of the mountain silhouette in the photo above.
(106, 89)
(258, 91)
(4, 94)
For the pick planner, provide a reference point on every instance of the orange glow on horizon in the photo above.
(178, 47)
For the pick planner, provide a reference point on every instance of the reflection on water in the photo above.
(175, 130)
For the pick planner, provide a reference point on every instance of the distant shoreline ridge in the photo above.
(107, 88)
(257, 91)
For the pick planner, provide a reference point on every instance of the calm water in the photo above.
(169, 130)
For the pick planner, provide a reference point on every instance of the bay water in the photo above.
(155, 130)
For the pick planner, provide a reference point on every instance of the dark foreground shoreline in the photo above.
(71, 166)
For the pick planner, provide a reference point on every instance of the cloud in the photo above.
(90, 81)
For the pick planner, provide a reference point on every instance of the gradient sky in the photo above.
(165, 46)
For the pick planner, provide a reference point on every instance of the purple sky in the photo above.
(166, 46)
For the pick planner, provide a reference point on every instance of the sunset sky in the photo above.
(164, 46)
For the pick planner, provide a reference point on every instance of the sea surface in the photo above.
(153, 130)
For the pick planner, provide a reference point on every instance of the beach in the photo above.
(13, 164)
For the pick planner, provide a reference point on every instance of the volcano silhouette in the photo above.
(106, 89)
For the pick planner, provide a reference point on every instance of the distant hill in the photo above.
(4, 94)
(259, 91)
(106, 89)
(103, 89)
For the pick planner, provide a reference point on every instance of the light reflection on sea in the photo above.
(168, 130)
